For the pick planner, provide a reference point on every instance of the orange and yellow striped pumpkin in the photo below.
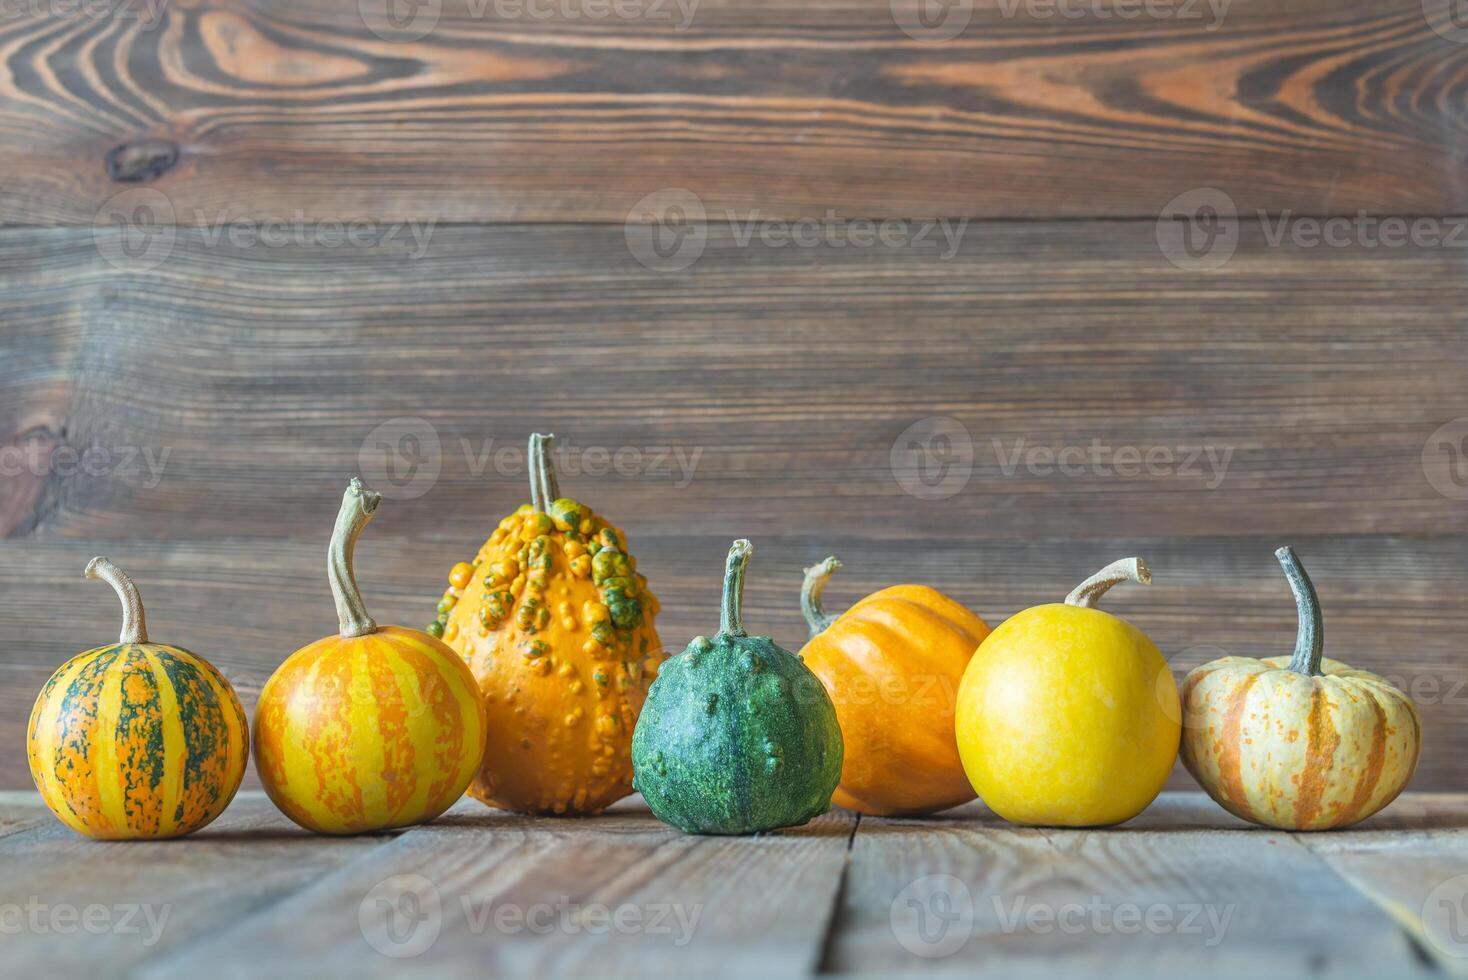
(375, 728)
(1299, 743)
(136, 740)
(892, 664)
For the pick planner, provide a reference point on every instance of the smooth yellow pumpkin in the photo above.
(136, 740)
(1067, 715)
(557, 625)
(1300, 742)
(892, 664)
(374, 728)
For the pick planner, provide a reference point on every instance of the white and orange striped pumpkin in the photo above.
(374, 728)
(1301, 742)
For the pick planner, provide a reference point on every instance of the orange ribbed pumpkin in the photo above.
(892, 664)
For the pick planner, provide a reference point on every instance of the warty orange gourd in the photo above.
(557, 625)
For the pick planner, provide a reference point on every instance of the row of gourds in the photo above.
(540, 687)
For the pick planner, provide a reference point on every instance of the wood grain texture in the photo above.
(1183, 886)
(82, 905)
(483, 892)
(617, 895)
(260, 107)
(782, 377)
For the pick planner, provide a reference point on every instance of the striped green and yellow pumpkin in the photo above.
(1301, 742)
(136, 740)
(374, 728)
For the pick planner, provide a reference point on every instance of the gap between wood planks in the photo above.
(833, 920)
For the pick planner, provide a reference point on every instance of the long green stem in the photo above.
(544, 490)
(358, 506)
(134, 629)
(1310, 636)
(731, 611)
(816, 578)
(1093, 588)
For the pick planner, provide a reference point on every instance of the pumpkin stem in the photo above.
(358, 506)
(816, 578)
(731, 612)
(544, 490)
(1093, 588)
(134, 629)
(1310, 637)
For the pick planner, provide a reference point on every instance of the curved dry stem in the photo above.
(731, 611)
(811, 589)
(134, 628)
(1093, 588)
(358, 506)
(1310, 634)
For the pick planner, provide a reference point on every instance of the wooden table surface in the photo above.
(1184, 889)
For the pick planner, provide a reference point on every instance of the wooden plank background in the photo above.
(227, 385)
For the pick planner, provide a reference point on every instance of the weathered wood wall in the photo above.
(229, 358)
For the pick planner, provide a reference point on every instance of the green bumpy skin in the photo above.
(737, 736)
